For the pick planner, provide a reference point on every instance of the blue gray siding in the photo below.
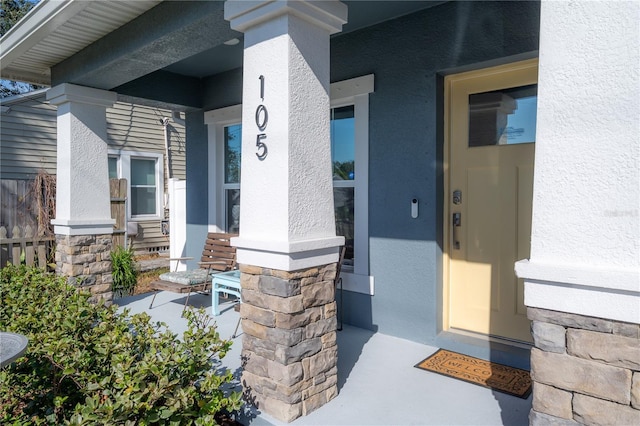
(408, 57)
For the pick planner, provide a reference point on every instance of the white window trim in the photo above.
(216, 121)
(355, 92)
(124, 171)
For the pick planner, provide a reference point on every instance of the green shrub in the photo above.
(123, 269)
(89, 364)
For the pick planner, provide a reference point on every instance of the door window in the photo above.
(503, 117)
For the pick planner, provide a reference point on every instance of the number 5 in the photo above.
(261, 146)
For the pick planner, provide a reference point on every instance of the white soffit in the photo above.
(55, 30)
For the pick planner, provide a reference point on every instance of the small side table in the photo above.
(12, 346)
(224, 282)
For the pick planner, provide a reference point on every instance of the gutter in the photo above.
(8, 101)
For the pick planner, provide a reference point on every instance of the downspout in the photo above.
(167, 152)
(165, 123)
(167, 143)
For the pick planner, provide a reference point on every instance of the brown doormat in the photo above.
(510, 380)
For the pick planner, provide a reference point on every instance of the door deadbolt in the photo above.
(457, 197)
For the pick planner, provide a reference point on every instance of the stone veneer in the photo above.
(86, 260)
(585, 370)
(289, 342)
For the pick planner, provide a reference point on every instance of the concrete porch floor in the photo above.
(377, 381)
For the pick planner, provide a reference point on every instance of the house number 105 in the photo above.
(262, 118)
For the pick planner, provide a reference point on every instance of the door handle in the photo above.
(456, 223)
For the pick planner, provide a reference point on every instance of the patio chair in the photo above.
(217, 256)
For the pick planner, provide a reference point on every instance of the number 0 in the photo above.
(262, 117)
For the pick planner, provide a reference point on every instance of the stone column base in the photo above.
(585, 370)
(289, 341)
(86, 261)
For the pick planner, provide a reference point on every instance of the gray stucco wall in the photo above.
(197, 170)
(408, 56)
(222, 90)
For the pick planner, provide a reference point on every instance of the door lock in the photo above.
(457, 197)
(456, 222)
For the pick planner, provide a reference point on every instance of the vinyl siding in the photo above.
(28, 145)
(137, 128)
(28, 135)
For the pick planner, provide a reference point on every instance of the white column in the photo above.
(585, 243)
(82, 182)
(177, 223)
(287, 218)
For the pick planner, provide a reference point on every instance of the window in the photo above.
(350, 157)
(343, 159)
(231, 185)
(143, 187)
(143, 172)
(350, 154)
(113, 167)
(225, 139)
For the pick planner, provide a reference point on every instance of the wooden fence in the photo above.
(20, 242)
(19, 205)
(118, 190)
(24, 246)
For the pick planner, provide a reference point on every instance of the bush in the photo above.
(88, 364)
(124, 272)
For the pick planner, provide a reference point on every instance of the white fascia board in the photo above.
(40, 22)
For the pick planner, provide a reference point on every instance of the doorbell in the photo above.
(414, 208)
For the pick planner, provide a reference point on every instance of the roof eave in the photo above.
(40, 22)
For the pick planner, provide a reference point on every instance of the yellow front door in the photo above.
(490, 117)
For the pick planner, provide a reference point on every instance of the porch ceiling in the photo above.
(109, 44)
